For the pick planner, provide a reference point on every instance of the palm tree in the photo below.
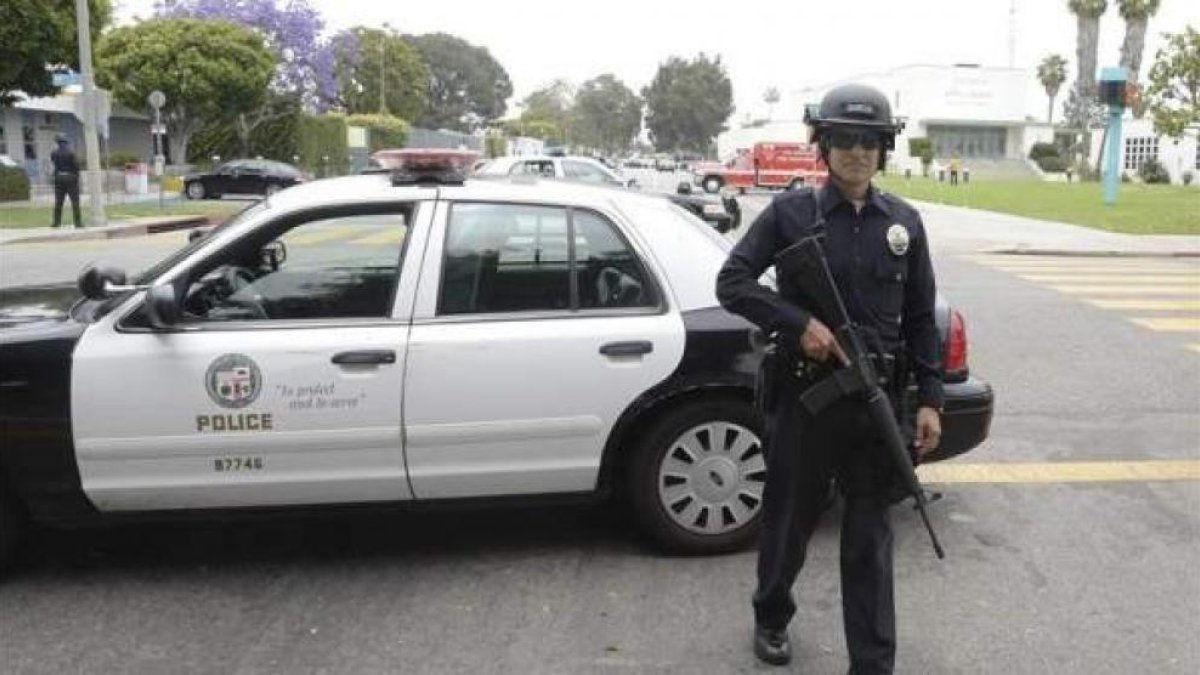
(1137, 14)
(771, 97)
(1052, 72)
(1087, 37)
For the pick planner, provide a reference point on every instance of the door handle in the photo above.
(370, 356)
(631, 348)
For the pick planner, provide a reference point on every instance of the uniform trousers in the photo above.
(804, 454)
(66, 187)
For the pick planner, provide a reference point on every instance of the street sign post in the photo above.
(1112, 94)
(157, 100)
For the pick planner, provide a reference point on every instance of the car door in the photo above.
(525, 349)
(281, 384)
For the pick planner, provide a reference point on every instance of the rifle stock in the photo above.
(805, 262)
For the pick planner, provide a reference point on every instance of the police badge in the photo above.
(897, 238)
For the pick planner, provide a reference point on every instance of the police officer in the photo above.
(878, 252)
(66, 180)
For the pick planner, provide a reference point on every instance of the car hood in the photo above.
(24, 305)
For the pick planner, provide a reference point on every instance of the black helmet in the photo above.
(857, 106)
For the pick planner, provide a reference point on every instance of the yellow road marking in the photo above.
(1113, 279)
(1126, 290)
(1172, 324)
(385, 238)
(1061, 472)
(317, 236)
(1105, 271)
(1150, 305)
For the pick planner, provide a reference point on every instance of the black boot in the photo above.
(771, 645)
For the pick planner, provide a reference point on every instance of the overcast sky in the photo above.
(789, 44)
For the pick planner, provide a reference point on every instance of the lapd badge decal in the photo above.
(233, 381)
(897, 238)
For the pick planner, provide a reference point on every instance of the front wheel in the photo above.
(796, 184)
(696, 480)
(712, 185)
(194, 190)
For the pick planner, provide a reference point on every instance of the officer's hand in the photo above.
(819, 343)
(929, 430)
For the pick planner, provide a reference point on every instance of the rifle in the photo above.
(805, 262)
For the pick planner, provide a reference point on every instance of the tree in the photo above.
(304, 73)
(364, 59)
(771, 97)
(1087, 35)
(688, 103)
(1173, 94)
(1052, 72)
(208, 70)
(39, 38)
(607, 114)
(467, 88)
(1137, 15)
(547, 112)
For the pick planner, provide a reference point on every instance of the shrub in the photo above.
(14, 184)
(1188, 177)
(118, 160)
(1052, 164)
(1152, 171)
(1042, 150)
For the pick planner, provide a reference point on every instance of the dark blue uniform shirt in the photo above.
(888, 286)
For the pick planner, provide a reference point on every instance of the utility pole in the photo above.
(91, 108)
(382, 69)
(1012, 34)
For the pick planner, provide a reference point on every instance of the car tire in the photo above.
(12, 528)
(796, 184)
(194, 190)
(271, 189)
(690, 472)
(713, 184)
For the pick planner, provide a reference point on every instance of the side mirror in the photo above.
(162, 306)
(684, 188)
(96, 281)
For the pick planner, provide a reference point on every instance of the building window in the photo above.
(1138, 149)
(27, 135)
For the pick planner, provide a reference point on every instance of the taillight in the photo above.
(956, 347)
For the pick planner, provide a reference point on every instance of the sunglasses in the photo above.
(846, 140)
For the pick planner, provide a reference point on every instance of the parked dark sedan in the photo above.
(242, 177)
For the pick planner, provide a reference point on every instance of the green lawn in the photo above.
(42, 215)
(1140, 209)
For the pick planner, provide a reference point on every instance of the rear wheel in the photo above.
(696, 479)
(712, 184)
(796, 184)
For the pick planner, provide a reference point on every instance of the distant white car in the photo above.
(581, 169)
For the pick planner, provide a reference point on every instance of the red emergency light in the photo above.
(413, 166)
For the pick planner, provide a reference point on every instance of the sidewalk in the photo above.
(130, 227)
(953, 229)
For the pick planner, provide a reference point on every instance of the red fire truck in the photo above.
(770, 165)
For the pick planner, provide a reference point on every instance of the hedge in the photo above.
(321, 145)
(1040, 150)
(14, 184)
(386, 131)
(1052, 164)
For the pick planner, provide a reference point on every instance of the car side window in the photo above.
(583, 171)
(533, 167)
(510, 258)
(326, 268)
(610, 275)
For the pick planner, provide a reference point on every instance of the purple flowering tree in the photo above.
(292, 30)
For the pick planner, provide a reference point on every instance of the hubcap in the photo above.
(711, 478)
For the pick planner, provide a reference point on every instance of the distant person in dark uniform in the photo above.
(66, 180)
(879, 255)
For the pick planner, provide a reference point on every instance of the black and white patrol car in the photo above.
(384, 339)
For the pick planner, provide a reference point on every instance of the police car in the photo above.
(413, 337)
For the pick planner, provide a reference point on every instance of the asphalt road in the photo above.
(1046, 572)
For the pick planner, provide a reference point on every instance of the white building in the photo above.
(1139, 143)
(989, 116)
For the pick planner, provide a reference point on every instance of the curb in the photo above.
(131, 228)
(1068, 253)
